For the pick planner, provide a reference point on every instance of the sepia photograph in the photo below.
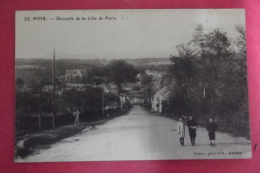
(111, 85)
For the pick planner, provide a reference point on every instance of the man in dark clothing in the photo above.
(192, 125)
(212, 127)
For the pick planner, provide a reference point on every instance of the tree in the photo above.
(22, 107)
(185, 51)
(73, 99)
(41, 77)
(121, 72)
(92, 99)
(44, 76)
(198, 36)
(209, 77)
(182, 71)
(19, 83)
(110, 99)
(30, 104)
(41, 104)
(88, 100)
(146, 79)
(218, 43)
(241, 38)
(136, 88)
(182, 68)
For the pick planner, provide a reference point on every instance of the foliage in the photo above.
(210, 77)
(41, 77)
(88, 100)
(110, 99)
(241, 39)
(136, 88)
(31, 103)
(121, 72)
(146, 79)
(19, 83)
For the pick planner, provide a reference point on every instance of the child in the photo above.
(181, 131)
(212, 127)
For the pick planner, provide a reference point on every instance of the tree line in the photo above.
(208, 78)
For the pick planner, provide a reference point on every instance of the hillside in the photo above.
(81, 63)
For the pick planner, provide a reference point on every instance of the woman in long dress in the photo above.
(181, 130)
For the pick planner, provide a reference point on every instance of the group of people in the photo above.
(192, 126)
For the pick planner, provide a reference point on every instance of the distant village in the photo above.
(133, 93)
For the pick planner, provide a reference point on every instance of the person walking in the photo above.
(76, 114)
(212, 128)
(192, 125)
(181, 130)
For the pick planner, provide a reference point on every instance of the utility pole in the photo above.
(53, 91)
(103, 99)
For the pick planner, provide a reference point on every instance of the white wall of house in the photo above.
(76, 77)
(158, 99)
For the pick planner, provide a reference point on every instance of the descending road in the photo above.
(140, 135)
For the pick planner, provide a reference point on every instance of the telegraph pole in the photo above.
(53, 91)
(103, 99)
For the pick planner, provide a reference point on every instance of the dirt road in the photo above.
(140, 135)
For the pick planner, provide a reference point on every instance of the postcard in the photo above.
(111, 85)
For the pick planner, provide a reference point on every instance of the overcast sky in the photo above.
(135, 33)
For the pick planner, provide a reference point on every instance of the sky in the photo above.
(134, 33)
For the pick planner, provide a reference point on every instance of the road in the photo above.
(140, 135)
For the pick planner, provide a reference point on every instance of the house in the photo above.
(125, 100)
(76, 76)
(161, 95)
(139, 76)
(155, 74)
(108, 88)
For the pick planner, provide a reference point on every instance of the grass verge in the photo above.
(28, 145)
